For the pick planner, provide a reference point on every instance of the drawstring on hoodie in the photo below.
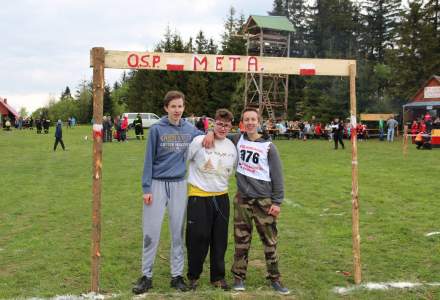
(167, 190)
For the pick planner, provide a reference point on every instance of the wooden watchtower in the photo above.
(268, 36)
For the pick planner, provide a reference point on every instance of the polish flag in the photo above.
(307, 69)
(175, 64)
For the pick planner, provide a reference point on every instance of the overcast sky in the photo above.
(45, 44)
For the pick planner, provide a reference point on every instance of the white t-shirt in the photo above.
(210, 169)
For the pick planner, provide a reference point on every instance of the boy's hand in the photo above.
(274, 210)
(148, 199)
(208, 140)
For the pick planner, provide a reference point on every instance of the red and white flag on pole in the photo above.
(175, 64)
(307, 69)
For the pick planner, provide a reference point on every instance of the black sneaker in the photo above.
(142, 285)
(221, 284)
(179, 284)
(278, 287)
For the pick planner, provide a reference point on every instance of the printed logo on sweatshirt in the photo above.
(175, 142)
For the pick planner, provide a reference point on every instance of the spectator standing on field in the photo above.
(104, 128)
(392, 125)
(58, 136)
(124, 129)
(381, 129)
(38, 125)
(164, 186)
(338, 132)
(414, 130)
(428, 122)
(200, 124)
(117, 123)
(208, 202)
(46, 124)
(138, 128)
(108, 132)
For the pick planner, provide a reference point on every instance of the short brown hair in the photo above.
(250, 109)
(224, 114)
(171, 95)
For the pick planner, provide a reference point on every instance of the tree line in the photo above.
(396, 46)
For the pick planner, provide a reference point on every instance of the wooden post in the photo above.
(261, 105)
(405, 141)
(98, 95)
(354, 181)
(286, 86)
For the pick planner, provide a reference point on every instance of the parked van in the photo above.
(148, 119)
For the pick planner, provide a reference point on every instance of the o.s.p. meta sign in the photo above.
(225, 63)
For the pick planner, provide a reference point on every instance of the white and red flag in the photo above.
(307, 69)
(175, 64)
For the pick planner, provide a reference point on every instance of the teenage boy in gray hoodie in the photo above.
(164, 185)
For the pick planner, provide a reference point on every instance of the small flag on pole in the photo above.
(175, 64)
(307, 69)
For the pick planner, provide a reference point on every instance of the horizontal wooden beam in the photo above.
(225, 63)
(375, 117)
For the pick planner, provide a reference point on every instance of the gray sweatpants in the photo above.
(174, 196)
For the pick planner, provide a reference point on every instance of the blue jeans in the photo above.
(381, 134)
(390, 135)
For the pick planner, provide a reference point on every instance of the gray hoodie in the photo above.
(167, 148)
(255, 188)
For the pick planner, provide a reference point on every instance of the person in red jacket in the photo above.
(318, 130)
(124, 128)
(360, 131)
(414, 130)
(422, 126)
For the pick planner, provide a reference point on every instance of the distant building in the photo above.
(427, 99)
(7, 112)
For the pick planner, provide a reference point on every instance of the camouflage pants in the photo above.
(246, 210)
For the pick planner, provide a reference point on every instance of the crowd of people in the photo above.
(421, 130)
(118, 127)
(305, 130)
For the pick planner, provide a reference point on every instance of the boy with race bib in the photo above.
(260, 191)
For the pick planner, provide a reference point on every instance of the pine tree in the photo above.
(201, 42)
(297, 12)
(332, 29)
(416, 57)
(212, 47)
(380, 21)
(189, 47)
(107, 101)
(222, 86)
(279, 8)
(432, 8)
(84, 98)
(65, 95)
(196, 94)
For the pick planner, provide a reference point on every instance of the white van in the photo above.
(148, 119)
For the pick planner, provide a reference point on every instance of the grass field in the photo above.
(45, 220)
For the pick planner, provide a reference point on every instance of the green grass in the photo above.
(45, 220)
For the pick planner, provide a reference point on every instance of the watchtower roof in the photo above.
(280, 23)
